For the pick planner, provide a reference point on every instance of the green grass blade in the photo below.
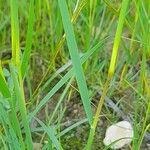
(52, 92)
(59, 103)
(75, 125)
(22, 107)
(118, 37)
(73, 49)
(61, 99)
(26, 54)
(64, 80)
(11, 137)
(15, 32)
(15, 121)
(3, 86)
(50, 131)
(110, 72)
(3, 142)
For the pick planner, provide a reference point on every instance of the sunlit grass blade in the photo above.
(73, 49)
(110, 72)
(117, 12)
(26, 54)
(118, 37)
(15, 32)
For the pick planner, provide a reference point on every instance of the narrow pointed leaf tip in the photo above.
(119, 135)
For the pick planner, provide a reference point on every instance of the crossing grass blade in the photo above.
(51, 134)
(64, 79)
(75, 125)
(73, 49)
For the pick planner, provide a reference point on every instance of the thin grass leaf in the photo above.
(22, 107)
(3, 142)
(59, 103)
(66, 77)
(110, 72)
(15, 121)
(15, 32)
(26, 54)
(61, 99)
(11, 137)
(51, 93)
(118, 37)
(3, 85)
(77, 11)
(75, 125)
(73, 49)
(50, 131)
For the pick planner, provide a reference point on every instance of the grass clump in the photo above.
(70, 69)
